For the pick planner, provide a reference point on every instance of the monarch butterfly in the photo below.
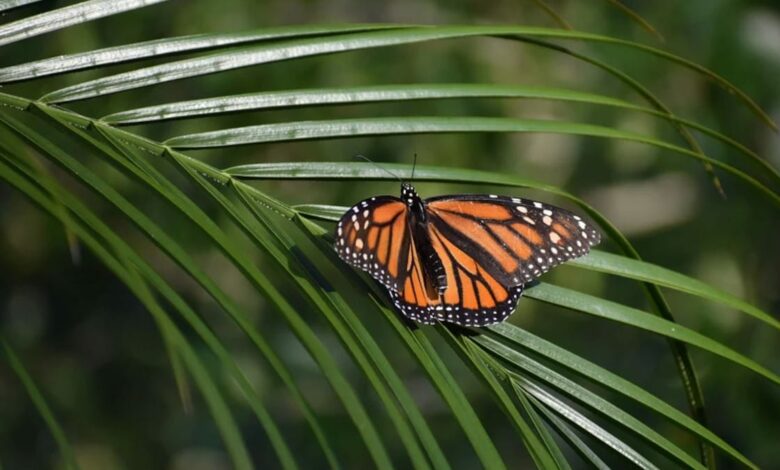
(462, 259)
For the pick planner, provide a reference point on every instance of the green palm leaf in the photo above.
(360, 351)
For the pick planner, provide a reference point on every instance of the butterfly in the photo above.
(462, 259)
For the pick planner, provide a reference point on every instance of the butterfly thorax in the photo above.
(415, 203)
(435, 276)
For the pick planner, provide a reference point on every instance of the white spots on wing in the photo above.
(457, 314)
(354, 218)
(584, 234)
(554, 237)
(554, 250)
(547, 212)
(365, 224)
(539, 260)
(340, 231)
(538, 205)
(365, 213)
(517, 200)
(529, 220)
(522, 209)
(579, 243)
(356, 225)
(493, 196)
(581, 224)
(547, 220)
(359, 244)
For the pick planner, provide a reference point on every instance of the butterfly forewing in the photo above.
(373, 235)
(515, 240)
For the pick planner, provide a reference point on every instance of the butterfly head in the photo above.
(410, 198)
(408, 194)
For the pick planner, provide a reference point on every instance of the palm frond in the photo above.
(283, 251)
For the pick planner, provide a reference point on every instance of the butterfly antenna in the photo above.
(414, 165)
(363, 157)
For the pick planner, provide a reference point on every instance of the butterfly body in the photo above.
(462, 259)
(433, 269)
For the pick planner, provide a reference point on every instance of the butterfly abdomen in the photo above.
(433, 268)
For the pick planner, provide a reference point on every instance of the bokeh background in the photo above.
(98, 357)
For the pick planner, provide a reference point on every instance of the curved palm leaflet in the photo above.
(462, 259)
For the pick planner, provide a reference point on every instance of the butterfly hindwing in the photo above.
(373, 235)
(472, 296)
(415, 299)
(515, 239)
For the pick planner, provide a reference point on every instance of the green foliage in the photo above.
(76, 166)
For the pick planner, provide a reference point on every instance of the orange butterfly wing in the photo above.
(373, 236)
(489, 247)
(473, 297)
(515, 240)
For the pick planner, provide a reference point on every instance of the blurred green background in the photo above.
(99, 359)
